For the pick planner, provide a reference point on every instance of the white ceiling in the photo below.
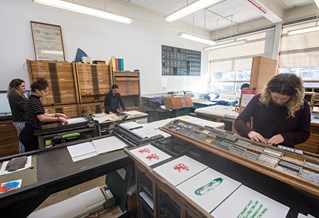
(226, 13)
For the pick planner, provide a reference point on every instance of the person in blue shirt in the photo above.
(113, 102)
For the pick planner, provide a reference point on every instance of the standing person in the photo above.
(35, 115)
(17, 102)
(113, 101)
(280, 114)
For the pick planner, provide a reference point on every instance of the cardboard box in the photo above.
(177, 102)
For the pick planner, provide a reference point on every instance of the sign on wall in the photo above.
(47, 41)
(180, 62)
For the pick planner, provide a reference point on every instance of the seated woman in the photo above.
(35, 115)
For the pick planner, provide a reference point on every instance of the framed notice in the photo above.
(47, 41)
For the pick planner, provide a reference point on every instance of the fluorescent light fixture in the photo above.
(196, 39)
(317, 3)
(84, 10)
(226, 44)
(305, 30)
(191, 8)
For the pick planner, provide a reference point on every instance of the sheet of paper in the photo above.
(132, 113)
(130, 125)
(147, 199)
(5, 163)
(108, 144)
(76, 120)
(82, 151)
(245, 202)
(180, 169)
(10, 185)
(208, 188)
(150, 155)
(148, 133)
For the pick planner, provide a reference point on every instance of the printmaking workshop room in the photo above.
(159, 108)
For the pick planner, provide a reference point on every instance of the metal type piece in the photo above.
(273, 152)
(256, 148)
(243, 143)
(267, 160)
(237, 150)
(200, 136)
(225, 147)
(211, 133)
(316, 166)
(226, 144)
(250, 155)
(220, 135)
(231, 137)
(293, 160)
(309, 176)
(289, 165)
(286, 170)
(216, 141)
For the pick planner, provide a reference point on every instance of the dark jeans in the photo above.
(28, 138)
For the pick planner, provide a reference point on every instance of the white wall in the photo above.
(139, 43)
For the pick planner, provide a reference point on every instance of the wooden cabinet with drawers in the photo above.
(9, 142)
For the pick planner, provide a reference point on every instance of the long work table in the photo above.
(56, 171)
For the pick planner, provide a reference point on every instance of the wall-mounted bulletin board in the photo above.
(47, 41)
(180, 62)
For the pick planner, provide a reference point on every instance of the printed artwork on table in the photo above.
(180, 169)
(245, 202)
(149, 155)
(9, 186)
(208, 188)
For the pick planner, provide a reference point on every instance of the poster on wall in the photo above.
(47, 41)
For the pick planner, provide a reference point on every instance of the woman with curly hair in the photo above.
(280, 115)
(17, 102)
(35, 115)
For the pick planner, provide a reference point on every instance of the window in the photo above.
(230, 67)
(299, 54)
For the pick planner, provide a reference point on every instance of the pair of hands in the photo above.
(62, 117)
(275, 140)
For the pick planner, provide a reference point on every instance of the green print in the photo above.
(245, 209)
(254, 209)
(209, 186)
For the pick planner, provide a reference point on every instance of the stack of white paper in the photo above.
(130, 125)
(150, 155)
(81, 151)
(76, 120)
(180, 169)
(208, 188)
(245, 202)
(108, 144)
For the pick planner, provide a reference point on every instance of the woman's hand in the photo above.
(61, 115)
(63, 120)
(275, 140)
(255, 136)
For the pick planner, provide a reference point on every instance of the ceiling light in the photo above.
(191, 8)
(84, 10)
(196, 39)
(317, 3)
(226, 44)
(305, 30)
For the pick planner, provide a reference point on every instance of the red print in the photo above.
(152, 156)
(144, 150)
(181, 167)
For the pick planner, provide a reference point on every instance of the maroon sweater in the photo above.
(273, 119)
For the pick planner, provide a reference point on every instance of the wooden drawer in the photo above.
(69, 110)
(9, 141)
(60, 76)
(93, 108)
